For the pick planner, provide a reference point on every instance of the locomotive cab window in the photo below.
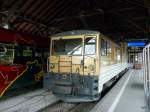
(103, 47)
(67, 47)
(90, 45)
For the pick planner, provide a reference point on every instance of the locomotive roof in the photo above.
(76, 32)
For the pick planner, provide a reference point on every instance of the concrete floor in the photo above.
(126, 96)
(132, 99)
(30, 102)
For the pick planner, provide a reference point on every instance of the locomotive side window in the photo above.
(27, 53)
(109, 47)
(2, 50)
(6, 55)
(118, 55)
(103, 47)
(90, 45)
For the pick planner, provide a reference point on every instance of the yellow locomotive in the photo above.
(81, 62)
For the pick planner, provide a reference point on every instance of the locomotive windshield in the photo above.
(74, 46)
(67, 47)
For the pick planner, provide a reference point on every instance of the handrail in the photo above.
(146, 72)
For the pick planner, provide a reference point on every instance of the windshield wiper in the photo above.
(75, 49)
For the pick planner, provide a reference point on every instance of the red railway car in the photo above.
(22, 58)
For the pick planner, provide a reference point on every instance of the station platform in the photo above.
(30, 102)
(126, 96)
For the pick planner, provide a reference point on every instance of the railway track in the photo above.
(19, 91)
(83, 107)
(70, 107)
(60, 107)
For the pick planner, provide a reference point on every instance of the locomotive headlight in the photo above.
(52, 66)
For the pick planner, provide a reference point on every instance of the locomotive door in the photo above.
(89, 55)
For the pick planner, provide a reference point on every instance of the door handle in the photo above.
(48, 64)
(82, 62)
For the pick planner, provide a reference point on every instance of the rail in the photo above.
(146, 71)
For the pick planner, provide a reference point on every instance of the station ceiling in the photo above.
(119, 19)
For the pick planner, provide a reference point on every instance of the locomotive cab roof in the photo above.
(81, 32)
(76, 32)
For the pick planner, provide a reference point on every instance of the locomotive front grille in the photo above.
(74, 84)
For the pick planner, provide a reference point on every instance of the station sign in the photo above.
(136, 44)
